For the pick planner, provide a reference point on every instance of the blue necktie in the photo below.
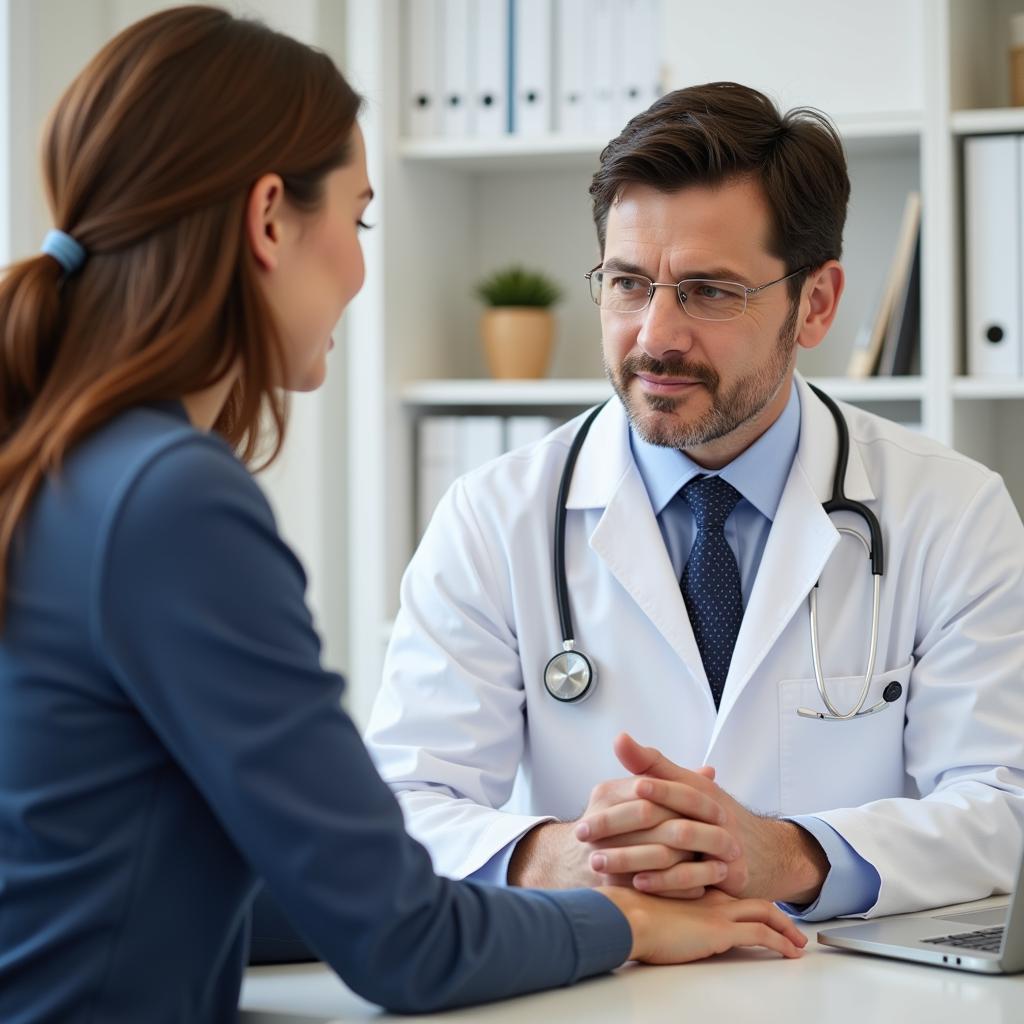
(711, 580)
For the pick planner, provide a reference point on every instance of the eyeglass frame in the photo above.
(747, 292)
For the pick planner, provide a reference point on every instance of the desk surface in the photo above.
(825, 986)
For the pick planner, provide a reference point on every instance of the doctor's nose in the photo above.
(666, 328)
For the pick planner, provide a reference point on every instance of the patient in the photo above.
(168, 735)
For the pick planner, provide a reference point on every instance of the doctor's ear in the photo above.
(819, 302)
(263, 220)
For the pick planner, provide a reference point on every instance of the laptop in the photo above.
(990, 941)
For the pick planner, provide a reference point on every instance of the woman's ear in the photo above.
(819, 303)
(263, 220)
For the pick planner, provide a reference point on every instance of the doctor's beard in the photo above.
(729, 409)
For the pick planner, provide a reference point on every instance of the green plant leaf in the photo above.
(517, 286)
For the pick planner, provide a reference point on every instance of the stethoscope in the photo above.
(570, 676)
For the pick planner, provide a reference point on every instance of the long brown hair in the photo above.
(148, 160)
(708, 134)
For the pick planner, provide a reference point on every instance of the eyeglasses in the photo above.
(700, 298)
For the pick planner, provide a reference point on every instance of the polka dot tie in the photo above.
(711, 580)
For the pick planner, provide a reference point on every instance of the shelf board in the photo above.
(485, 393)
(872, 389)
(862, 134)
(505, 152)
(988, 387)
(980, 122)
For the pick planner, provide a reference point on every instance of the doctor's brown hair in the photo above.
(148, 160)
(711, 134)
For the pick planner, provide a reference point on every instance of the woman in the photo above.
(167, 733)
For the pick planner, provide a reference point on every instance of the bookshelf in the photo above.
(453, 209)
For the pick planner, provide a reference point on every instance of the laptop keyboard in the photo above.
(988, 940)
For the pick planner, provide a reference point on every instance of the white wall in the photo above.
(43, 45)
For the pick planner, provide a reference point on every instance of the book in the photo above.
(903, 335)
(867, 347)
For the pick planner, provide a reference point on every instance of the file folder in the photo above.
(423, 68)
(531, 109)
(457, 107)
(572, 93)
(492, 68)
(602, 60)
(992, 236)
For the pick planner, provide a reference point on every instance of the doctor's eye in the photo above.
(363, 226)
(711, 291)
(625, 283)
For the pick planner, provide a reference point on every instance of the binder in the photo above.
(423, 68)
(523, 430)
(456, 94)
(572, 94)
(652, 86)
(491, 68)
(868, 347)
(481, 439)
(437, 464)
(531, 47)
(601, 60)
(992, 237)
(636, 73)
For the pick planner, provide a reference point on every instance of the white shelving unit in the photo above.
(451, 210)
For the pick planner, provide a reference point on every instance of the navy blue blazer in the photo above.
(168, 735)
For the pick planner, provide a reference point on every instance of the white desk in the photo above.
(826, 986)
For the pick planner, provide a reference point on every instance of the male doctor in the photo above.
(694, 538)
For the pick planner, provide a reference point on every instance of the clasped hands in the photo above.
(672, 832)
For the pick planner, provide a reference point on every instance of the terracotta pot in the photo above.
(517, 340)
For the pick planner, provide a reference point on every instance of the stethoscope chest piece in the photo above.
(569, 677)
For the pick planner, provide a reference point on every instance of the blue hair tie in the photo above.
(64, 249)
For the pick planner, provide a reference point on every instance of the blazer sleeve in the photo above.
(963, 816)
(447, 730)
(200, 615)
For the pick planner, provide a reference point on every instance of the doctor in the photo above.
(872, 766)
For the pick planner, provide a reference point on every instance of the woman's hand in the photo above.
(678, 931)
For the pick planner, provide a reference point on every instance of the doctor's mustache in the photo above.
(640, 362)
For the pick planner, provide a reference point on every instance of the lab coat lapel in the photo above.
(801, 540)
(627, 538)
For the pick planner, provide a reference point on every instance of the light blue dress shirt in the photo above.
(760, 475)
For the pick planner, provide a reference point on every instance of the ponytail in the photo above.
(30, 323)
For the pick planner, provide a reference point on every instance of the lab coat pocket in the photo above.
(826, 764)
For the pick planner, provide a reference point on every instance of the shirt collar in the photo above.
(759, 473)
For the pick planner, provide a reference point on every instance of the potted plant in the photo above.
(518, 326)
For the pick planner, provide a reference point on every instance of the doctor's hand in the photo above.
(677, 931)
(673, 833)
(557, 855)
(777, 860)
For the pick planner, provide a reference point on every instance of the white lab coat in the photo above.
(930, 790)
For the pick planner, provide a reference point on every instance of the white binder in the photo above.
(531, 45)
(992, 233)
(652, 85)
(456, 94)
(423, 68)
(481, 438)
(636, 73)
(523, 430)
(603, 57)
(491, 68)
(572, 93)
(437, 464)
